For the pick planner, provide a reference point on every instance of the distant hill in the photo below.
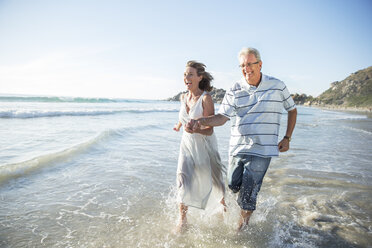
(355, 92)
(216, 94)
(302, 99)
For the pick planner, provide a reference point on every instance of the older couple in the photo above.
(255, 105)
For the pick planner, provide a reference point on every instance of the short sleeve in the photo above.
(227, 107)
(288, 102)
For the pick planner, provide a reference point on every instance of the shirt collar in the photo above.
(249, 87)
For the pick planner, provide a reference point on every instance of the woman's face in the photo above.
(191, 78)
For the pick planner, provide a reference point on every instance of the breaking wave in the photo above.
(18, 169)
(62, 99)
(22, 114)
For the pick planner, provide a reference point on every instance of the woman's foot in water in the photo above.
(181, 227)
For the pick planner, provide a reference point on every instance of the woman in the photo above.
(199, 163)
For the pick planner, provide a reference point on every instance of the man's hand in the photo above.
(283, 145)
(193, 126)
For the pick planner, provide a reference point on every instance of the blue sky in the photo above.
(138, 49)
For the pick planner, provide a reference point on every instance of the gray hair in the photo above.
(250, 50)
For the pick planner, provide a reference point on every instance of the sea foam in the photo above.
(23, 114)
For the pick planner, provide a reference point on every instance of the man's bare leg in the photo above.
(244, 219)
(183, 219)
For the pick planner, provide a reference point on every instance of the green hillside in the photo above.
(353, 91)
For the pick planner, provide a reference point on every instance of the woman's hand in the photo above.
(189, 125)
(177, 127)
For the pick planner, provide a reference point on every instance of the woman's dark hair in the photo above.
(205, 83)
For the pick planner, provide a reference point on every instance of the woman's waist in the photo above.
(198, 134)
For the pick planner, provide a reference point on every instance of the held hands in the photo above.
(283, 145)
(193, 126)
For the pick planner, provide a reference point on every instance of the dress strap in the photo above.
(201, 96)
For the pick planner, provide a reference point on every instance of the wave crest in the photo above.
(23, 168)
(62, 99)
(23, 114)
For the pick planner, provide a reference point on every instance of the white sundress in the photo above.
(199, 163)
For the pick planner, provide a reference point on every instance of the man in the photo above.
(255, 104)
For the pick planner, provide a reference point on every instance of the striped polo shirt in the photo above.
(255, 113)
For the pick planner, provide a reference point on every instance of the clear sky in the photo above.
(138, 49)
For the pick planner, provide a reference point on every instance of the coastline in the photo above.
(353, 110)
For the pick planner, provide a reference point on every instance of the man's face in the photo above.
(251, 68)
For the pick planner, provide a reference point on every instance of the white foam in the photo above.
(23, 114)
(331, 115)
(358, 130)
(9, 171)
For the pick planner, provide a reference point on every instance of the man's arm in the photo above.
(212, 121)
(291, 123)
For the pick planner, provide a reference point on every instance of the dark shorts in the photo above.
(245, 176)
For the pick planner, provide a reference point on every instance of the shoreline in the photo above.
(353, 110)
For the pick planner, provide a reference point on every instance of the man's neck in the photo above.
(256, 83)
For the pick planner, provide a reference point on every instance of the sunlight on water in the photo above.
(109, 181)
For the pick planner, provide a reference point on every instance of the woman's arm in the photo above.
(179, 124)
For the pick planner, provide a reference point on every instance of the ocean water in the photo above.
(78, 172)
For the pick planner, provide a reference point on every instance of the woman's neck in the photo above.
(195, 93)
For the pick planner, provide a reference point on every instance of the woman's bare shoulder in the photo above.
(207, 97)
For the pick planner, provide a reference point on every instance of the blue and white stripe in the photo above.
(256, 113)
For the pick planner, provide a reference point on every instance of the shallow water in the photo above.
(102, 174)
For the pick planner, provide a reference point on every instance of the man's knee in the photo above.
(236, 180)
(235, 174)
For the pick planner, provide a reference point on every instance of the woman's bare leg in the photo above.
(224, 204)
(183, 219)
